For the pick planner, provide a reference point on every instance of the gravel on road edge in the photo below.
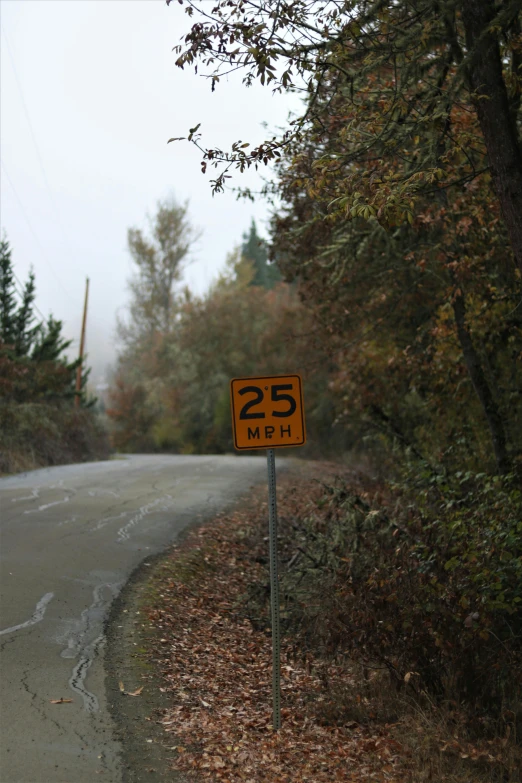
(145, 753)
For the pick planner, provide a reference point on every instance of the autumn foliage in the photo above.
(171, 389)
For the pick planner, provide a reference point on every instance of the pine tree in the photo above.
(8, 306)
(18, 330)
(25, 329)
(255, 250)
(50, 343)
(33, 366)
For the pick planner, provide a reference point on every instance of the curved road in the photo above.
(70, 538)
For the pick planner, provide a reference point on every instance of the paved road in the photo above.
(70, 538)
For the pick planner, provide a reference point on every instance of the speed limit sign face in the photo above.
(267, 412)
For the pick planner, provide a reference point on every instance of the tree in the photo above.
(8, 305)
(413, 62)
(130, 414)
(182, 402)
(26, 329)
(398, 137)
(158, 261)
(153, 315)
(32, 362)
(255, 250)
(389, 295)
(39, 425)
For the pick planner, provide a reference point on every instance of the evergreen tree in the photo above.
(18, 330)
(32, 364)
(25, 329)
(255, 249)
(50, 343)
(7, 296)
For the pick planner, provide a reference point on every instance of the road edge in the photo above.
(146, 750)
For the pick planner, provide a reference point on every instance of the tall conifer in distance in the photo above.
(254, 249)
(8, 305)
(25, 328)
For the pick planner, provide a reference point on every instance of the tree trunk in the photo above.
(495, 118)
(481, 386)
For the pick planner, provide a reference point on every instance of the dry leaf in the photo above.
(130, 693)
(220, 709)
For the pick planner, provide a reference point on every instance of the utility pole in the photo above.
(82, 346)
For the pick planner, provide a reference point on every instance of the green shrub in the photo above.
(431, 590)
(34, 435)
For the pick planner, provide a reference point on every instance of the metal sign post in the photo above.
(268, 413)
(274, 590)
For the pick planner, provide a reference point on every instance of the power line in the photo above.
(33, 136)
(33, 232)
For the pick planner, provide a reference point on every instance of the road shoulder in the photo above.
(145, 751)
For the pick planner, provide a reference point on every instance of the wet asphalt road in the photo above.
(70, 538)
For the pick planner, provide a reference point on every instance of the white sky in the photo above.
(89, 96)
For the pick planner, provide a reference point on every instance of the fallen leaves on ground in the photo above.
(218, 670)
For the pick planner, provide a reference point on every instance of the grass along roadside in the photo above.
(208, 636)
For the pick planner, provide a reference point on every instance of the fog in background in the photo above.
(90, 94)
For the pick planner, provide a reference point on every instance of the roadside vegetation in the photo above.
(392, 281)
(205, 626)
(39, 423)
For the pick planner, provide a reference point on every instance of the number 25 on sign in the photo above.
(267, 412)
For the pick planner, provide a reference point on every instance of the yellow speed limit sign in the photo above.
(267, 412)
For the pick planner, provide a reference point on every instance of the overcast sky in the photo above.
(89, 97)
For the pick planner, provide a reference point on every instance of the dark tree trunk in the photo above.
(495, 116)
(481, 386)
